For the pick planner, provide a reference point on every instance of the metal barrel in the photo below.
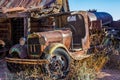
(105, 17)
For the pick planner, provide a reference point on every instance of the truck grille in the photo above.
(34, 48)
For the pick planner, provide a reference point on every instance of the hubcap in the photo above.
(57, 66)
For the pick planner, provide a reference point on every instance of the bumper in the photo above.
(27, 61)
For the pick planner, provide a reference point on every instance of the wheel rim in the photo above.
(57, 66)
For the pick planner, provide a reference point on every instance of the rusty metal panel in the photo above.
(58, 36)
(23, 5)
(92, 16)
(85, 40)
(96, 25)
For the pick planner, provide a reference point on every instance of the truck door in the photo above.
(77, 25)
(17, 25)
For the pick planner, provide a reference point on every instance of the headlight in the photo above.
(42, 40)
(22, 41)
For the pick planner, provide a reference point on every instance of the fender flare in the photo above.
(20, 50)
(50, 48)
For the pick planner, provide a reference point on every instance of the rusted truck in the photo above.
(15, 15)
(56, 41)
(47, 34)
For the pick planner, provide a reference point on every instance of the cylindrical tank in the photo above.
(106, 18)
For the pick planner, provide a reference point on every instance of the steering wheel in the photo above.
(71, 27)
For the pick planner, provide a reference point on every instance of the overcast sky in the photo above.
(110, 6)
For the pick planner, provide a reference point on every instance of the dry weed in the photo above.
(86, 69)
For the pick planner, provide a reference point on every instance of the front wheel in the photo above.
(58, 68)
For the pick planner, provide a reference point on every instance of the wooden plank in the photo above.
(15, 9)
(18, 15)
(13, 15)
(6, 27)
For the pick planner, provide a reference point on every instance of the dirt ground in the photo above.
(4, 72)
(109, 74)
(105, 74)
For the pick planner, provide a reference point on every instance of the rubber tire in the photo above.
(62, 52)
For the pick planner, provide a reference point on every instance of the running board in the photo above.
(27, 61)
(78, 56)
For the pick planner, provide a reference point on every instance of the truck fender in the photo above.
(21, 51)
(50, 48)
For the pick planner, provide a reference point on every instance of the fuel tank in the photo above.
(105, 17)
